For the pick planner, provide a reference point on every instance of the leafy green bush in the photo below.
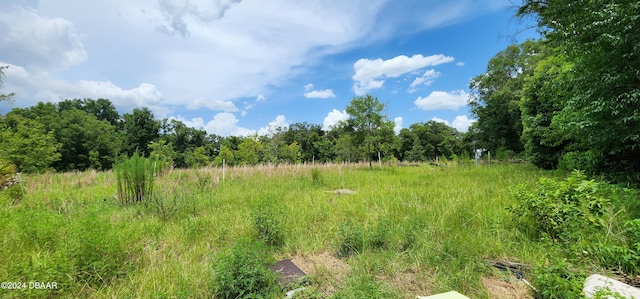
(134, 177)
(269, 222)
(555, 280)
(243, 272)
(564, 210)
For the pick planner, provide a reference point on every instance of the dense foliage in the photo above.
(84, 134)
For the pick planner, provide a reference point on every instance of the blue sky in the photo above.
(238, 67)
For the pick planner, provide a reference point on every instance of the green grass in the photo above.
(434, 225)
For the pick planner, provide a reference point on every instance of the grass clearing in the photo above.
(422, 230)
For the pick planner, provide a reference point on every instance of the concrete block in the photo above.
(595, 282)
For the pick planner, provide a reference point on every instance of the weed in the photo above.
(316, 176)
(352, 240)
(555, 280)
(268, 222)
(243, 271)
(134, 178)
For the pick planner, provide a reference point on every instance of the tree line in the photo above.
(82, 134)
(570, 99)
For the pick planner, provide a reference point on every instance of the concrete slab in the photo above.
(447, 295)
(595, 282)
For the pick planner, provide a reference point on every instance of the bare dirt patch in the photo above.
(500, 288)
(408, 282)
(330, 271)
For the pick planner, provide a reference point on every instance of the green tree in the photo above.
(198, 158)
(102, 109)
(544, 95)
(291, 153)
(27, 144)
(369, 126)
(600, 38)
(225, 156)
(140, 130)
(80, 134)
(249, 151)
(495, 96)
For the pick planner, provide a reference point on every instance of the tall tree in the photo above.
(369, 125)
(27, 144)
(600, 38)
(140, 130)
(495, 96)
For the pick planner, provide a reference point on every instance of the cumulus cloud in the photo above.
(333, 118)
(319, 94)
(39, 43)
(222, 124)
(460, 123)
(176, 13)
(397, 124)
(279, 123)
(426, 79)
(370, 74)
(438, 100)
(226, 106)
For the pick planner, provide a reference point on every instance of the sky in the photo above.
(241, 67)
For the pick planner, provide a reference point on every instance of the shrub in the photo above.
(134, 177)
(555, 280)
(243, 271)
(564, 210)
(268, 223)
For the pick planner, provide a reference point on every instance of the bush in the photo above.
(243, 272)
(555, 280)
(379, 235)
(134, 177)
(565, 210)
(268, 223)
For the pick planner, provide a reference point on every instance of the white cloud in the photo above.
(175, 12)
(438, 100)
(426, 79)
(460, 63)
(226, 106)
(39, 43)
(260, 98)
(280, 123)
(462, 123)
(369, 74)
(223, 124)
(308, 87)
(333, 118)
(319, 94)
(397, 124)
(440, 120)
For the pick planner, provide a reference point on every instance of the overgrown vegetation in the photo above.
(582, 222)
(134, 177)
(406, 231)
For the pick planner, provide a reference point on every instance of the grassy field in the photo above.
(406, 231)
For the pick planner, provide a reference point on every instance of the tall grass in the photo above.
(416, 230)
(134, 177)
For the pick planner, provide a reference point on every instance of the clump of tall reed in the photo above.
(134, 178)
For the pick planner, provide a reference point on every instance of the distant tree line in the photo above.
(572, 98)
(82, 134)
